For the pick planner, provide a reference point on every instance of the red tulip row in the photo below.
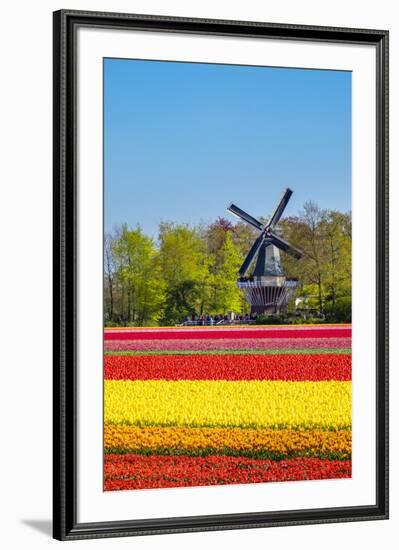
(313, 367)
(216, 333)
(134, 471)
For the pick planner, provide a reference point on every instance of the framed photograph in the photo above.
(220, 274)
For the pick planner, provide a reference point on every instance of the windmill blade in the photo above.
(280, 208)
(245, 217)
(251, 255)
(286, 247)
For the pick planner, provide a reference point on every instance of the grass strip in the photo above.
(275, 427)
(257, 454)
(298, 426)
(243, 351)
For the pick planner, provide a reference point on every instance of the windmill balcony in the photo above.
(267, 295)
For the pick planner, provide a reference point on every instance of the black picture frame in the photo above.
(65, 337)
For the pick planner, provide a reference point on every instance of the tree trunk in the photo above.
(129, 306)
(123, 303)
(320, 293)
(332, 272)
(111, 297)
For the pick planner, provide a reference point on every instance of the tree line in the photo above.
(191, 270)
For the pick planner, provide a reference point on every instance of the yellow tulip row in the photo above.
(245, 404)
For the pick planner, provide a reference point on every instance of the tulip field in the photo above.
(222, 405)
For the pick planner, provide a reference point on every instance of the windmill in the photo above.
(267, 289)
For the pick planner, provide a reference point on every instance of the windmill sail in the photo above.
(275, 218)
(286, 247)
(251, 255)
(247, 218)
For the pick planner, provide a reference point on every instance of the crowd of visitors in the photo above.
(219, 319)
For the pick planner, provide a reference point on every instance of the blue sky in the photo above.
(183, 140)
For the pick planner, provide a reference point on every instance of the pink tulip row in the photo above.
(227, 343)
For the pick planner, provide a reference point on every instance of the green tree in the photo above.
(139, 274)
(334, 226)
(109, 283)
(324, 271)
(225, 261)
(243, 237)
(184, 266)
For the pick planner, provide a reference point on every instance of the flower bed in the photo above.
(217, 333)
(132, 471)
(210, 406)
(228, 367)
(196, 344)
